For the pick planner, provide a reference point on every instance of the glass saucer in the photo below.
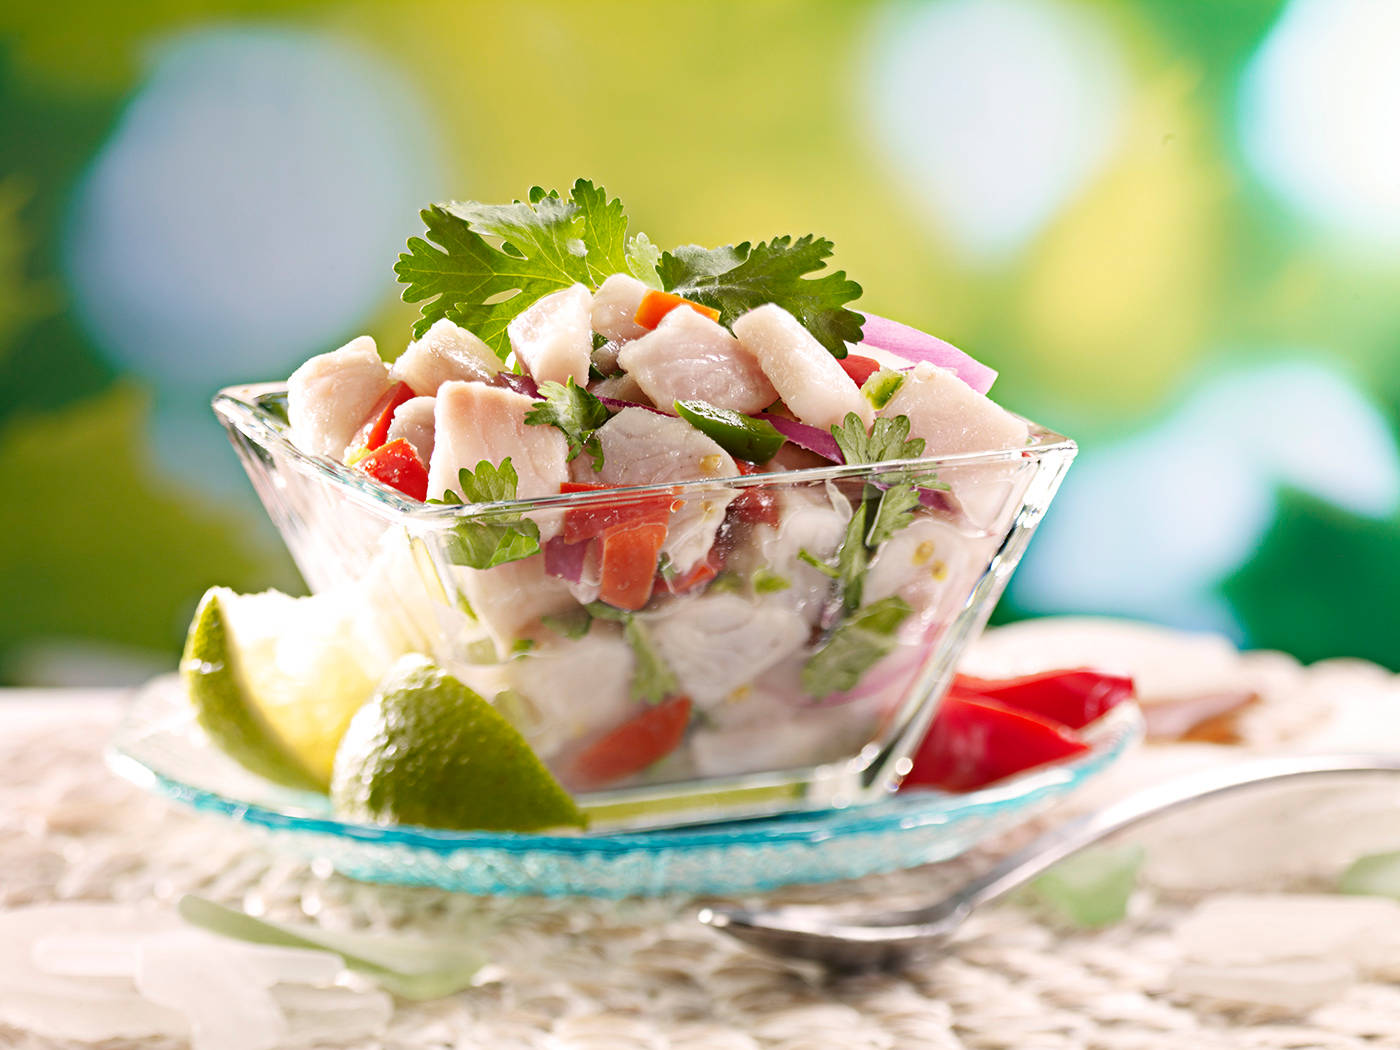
(158, 746)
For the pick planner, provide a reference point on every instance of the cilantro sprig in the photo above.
(739, 277)
(857, 645)
(652, 680)
(481, 265)
(535, 247)
(576, 413)
(486, 540)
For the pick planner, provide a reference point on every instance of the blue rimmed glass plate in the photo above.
(159, 747)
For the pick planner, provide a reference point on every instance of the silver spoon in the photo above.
(887, 940)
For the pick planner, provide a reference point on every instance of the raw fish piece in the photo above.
(951, 417)
(689, 356)
(622, 388)
(643, 448)
(811, 520)
(752, 635)
(929, 564)
(553, 712)
(813, 385)
(413, 421)
(553, 339)
(615, 307)
(779, 737)
(473, 422)
(512, 596)
(446, 352)
(331, 395)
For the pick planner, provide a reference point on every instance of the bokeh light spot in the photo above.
(994, 112)
(248, 206)
(1318, 114)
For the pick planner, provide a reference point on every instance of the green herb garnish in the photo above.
(858, 644)
(492, 538)
(766, 581)
(738, 278)
(536, 247)
(652, 680)
(576, 413)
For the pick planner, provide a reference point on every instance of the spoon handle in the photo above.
(1073, 836)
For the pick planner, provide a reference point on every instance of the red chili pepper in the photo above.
(629, 748)
(656, 305)
(1073, 698)
(630, 554)
(975, 742)
(398, 466)
(376, 429)
(583, 523)
(859, 368)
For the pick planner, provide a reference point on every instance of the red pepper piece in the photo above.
(859, 368)
(376, 429)
(630, 554)
(583, 523)
(755, 506)
(629, 748)
(656, 305)
(975, 742)
(1073, 698)
(703, 571)
(398, 466)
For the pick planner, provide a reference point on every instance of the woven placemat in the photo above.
(579, 974)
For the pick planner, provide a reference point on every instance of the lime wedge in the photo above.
(427, 750)
(274, 681)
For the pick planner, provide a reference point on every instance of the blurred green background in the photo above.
(1173, 225)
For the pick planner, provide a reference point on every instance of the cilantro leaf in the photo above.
(642, 259)
(857, 645)
(888, 439)
(894, 512)
(541, 245)
(490, 538)
(576, 413)
(652, 680)
(737, 278)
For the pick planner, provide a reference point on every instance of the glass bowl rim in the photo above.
(240, 406)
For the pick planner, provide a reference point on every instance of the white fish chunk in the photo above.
(717, 644)
(690, 356)
(473, 421)
(779, 737)
(553, 339)
(330, 396)
(641, 447)
(951, 417)
(931, 565)
(615, 307)
(571, 689)
(811, 382)
(810, 520)
(413, 421)
(446, 352)
(508, 598)
(621, 388)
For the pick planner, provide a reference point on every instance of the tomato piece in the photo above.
(398, 466)
(583, 523)
(755, 506)
(630, 555)
(1073, 698)
(974, 742)
(859, 368)
(376, 429)
(656, 305)
(629, 748)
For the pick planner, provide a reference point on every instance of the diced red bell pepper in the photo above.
(755, 506)
(1073, 698)
(398, 466)
(975, 742)
(859, 368)
(630, 556)
(702, 572)
(630, 748)
(376, 429)
(583, 523)
(656, 305)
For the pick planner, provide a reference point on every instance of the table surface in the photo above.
(576, 973)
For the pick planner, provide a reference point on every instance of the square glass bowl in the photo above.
(792, 702)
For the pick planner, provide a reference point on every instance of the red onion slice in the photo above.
(804, 435)
(565, 560)
(914, 345)
(521, 384)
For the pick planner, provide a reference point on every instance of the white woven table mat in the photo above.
(581, 974)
